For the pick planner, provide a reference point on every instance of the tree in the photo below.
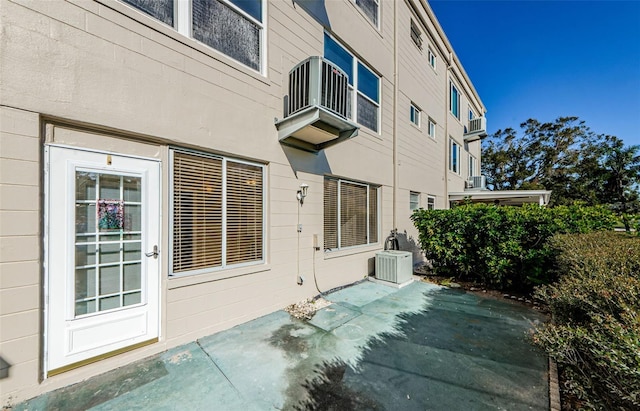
(564, 156)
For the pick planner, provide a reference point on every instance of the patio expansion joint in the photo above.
(218, 368)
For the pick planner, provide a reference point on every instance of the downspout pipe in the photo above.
(395, 114)
(447, 144)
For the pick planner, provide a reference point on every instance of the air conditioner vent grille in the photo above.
(394, 266)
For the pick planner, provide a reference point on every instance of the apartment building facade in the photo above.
(170, 169)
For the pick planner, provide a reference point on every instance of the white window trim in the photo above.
(417, 113)
(431, 129)
(224, 267)
(431, 200)
(432, 58)
(377, 23)
(182, 24)
(472, 164)
(453, 86)
(413, 194)
(353, 89)
(416, 35)
(338, 218)
(452, 142)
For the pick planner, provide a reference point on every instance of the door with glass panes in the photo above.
(102, 262)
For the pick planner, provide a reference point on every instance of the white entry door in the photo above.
(102, 264)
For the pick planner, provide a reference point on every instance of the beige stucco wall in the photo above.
(99, 75)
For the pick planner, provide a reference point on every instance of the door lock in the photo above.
(154, 253)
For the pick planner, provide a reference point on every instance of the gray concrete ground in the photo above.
(421, 347)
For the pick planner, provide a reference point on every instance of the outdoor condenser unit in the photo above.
(394, 266)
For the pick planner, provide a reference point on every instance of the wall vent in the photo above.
(394, 266)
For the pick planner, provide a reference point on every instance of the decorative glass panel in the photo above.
(110, 215)
(159, 9)
(217, 25)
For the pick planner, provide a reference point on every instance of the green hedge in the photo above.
(500, 246)
(595, 306)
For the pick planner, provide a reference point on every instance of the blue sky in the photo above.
(546, 59)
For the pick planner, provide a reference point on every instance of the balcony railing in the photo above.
(318, 106)
(476, 130)
(476, 183)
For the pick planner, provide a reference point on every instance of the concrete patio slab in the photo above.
(375, 348)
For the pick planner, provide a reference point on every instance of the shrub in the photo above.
(595, 333)
(500, 246)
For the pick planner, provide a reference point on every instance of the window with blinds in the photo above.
(350, 214)
(218, 212)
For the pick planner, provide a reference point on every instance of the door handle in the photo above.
(153, 253)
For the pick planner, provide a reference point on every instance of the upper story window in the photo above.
(472, 166)
(416, 35)
(414, 201)
(371, 9)
(431, 203)
(414, 115)
(217, 213)
(454, 156)
(364, 84)
(232, 27)
(472, 115)
(454, 101)
(350, 214)
(432, 59)
(432, 128)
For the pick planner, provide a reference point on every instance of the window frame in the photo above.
(431, 203)
(454, 103)
(183, 25)
(362, 10)
(431, 57)
(431, 129)
(454, 160)
(414, 114)
(223, 243)
(472, 164)
(354, 83)
(338, 204)
(414, 201)
(416, 34)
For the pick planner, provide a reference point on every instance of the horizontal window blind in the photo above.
(350, 214)
(197, 212)
(244, 213)
(218, 216)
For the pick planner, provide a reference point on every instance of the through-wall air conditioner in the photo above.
(394, 266)
(317, 109)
